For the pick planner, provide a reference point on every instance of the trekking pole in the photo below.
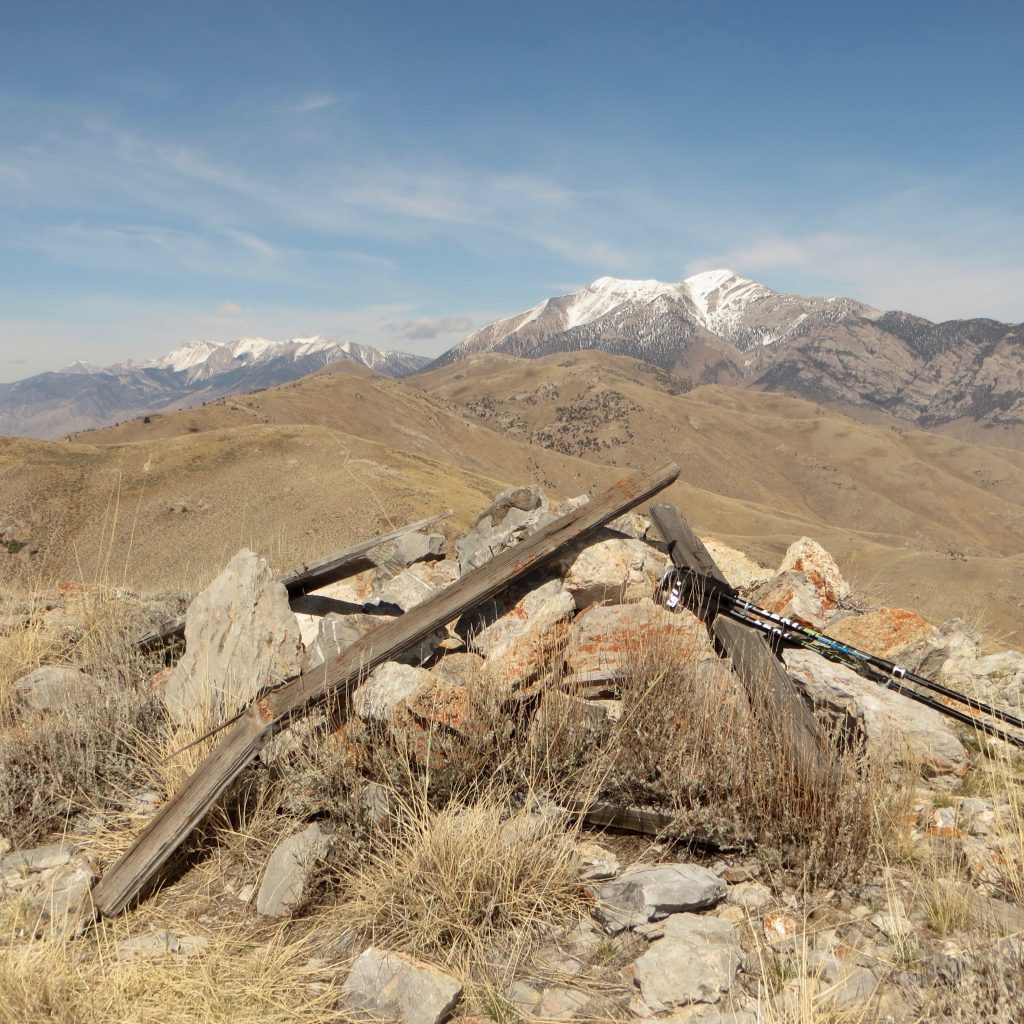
(677, 582)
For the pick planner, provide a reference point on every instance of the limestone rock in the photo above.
(22, 863)
(642, 894)
(386, 688)
(288, 870)
(241, 635)
(595, 862)
(64, 907)
(158, 943)
(739, 569)
(819, 567)
(393, 985)
(519, 624)
(887, 632)
(612, 569)
(791, 595)
(336, 633)
(411, 548)
(998, 678)
(883, 716)
(414, 585)
(560, 1002)
(55, 688)
(513, 515)
(461, 667)
(694, 962)
(610, 638)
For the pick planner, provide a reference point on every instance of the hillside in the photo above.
(931, 522)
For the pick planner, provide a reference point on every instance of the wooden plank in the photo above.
(307, 577)
(335, 679)
(603, 814)
(761, 673)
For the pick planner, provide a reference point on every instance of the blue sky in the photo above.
(400, 173)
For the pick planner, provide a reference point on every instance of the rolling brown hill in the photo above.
(915, 518)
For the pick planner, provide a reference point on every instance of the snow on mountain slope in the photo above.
(82, 396)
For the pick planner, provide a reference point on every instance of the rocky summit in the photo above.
(563, 805)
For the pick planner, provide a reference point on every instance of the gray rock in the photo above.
(336, 633)
(751, 896)
(695, 962)
(462, 668)
(394, 985)
(819, 568)
(882, 715)
(513, 515)
(40, 858)
(160, 943)
(288, 870)
(241, 635)
(611, 569)
(596, 863)
(411, 548)
(414, 585)
(644, 893)
(793, 596)
(513, 641)
(387, 687)
(64, 907)
(996, 677)
(55, 688)
(525, 998)
(558, 1002)
(854, 988)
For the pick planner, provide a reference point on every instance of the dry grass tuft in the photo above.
(239, 977)
(691, 739)
(465, 885)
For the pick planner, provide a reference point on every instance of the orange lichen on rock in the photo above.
(885, 632)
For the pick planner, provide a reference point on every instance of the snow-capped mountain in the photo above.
(659, 321)
(718, 327)
(82, 396)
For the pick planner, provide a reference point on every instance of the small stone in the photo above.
(388, 984)
(39, 858)
(160, 943)
(596, 863)
(55, 688)
(641, 894)
(854, 988)
(695, 962)
(561, 1003)
(288, 870)
(524, 997)
(65, 907)
(752, 896)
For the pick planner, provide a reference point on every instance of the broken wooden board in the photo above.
(335, 679)
(762, 674)
(307, 577)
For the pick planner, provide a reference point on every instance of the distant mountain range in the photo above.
(712, 328)
(82, 396)
(717, 327)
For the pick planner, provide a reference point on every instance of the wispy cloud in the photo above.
(428, 327)
(313, 102)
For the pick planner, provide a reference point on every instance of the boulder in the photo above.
(241, 636)
(596, 863)
(336, 633)
(695, 961)
(612, 569)
(608, 639)
(884, 717)
(411, 702)
(513, 515)
(414, 585)
(642, 894)
(461, 667)
(887, 632)
(55, 688)
(288, 870)
(739, 569)
(791, 595)
(997, 678)
(514, 631)
(411, 548)
(819, 567)
(395, 986)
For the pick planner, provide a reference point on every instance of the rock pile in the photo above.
(583, 621)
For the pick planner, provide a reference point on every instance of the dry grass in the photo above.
(465, 886)
(691, 740)
(56, 763)
(240, 977)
